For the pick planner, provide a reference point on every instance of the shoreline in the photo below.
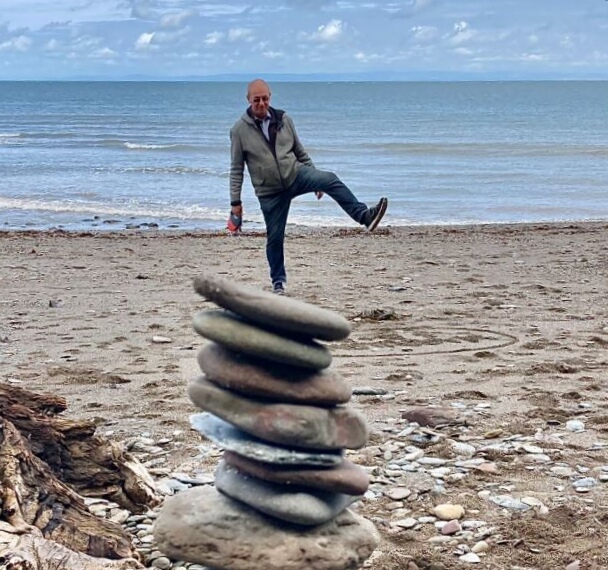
(299, 229)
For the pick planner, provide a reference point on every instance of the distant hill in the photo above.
(376, 76)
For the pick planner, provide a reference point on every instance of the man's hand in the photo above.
(319, 195)
(237, 210)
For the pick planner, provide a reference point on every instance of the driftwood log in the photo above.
(47, 465)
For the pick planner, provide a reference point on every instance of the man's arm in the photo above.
(237, 169)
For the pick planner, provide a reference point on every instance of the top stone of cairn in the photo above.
(265, 308)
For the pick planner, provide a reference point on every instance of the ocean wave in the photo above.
(478, 149)
(161, 147)
(130, 210)
(48, 135)
(9, 135)
(177, 169)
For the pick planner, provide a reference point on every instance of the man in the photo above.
(265, 139)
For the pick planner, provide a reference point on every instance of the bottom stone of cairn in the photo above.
(204, 526)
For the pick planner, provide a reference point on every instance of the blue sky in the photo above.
(62, 39)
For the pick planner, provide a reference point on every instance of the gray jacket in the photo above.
(272, 170)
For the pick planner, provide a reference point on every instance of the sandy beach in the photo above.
(499, 331)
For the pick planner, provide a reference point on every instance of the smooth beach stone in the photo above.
(308, 427)
(345, 478)
(229, 330)
(298, 506)
(258, 378)
(270, 310)
(204, 526)
(233, 439)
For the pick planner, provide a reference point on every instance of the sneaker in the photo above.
(374, 215)
(278, 288)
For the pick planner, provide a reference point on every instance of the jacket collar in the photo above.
(276, 116)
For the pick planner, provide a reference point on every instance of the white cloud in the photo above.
(462, 33)
(144, 41)
(52, 45)
(213, 38)
(329, 32)
(18, 43)
(273, 54)
(425, 33)
(104, 53)
(236, 34)
(367, 57)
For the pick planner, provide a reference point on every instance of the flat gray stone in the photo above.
(270, 310)
(229, 330)
(345, 478)
(231, 438)
(259, 378)
(308, 427)
(299, 506)
(204, 526)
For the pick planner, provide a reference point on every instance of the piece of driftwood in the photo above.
(29, 552)
(48, 463)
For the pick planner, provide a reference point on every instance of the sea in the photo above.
(115, 155)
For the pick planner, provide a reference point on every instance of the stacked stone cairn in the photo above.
(283, 486)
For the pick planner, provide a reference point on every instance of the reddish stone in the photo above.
(307, 427)
(345, 478)
(261, 379)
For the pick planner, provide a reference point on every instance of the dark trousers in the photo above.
(275, 209)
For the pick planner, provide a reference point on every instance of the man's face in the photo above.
(259, 99)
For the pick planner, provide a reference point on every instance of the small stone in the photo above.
(234, 333)
(368, 391)
(528, 448)
(265, 308)
(479, 547)
(406, 523)
(161, 339)
(584, 483)
(451, 527)
(470, 558)
(508, 502)
(305, 507)
(493, 433)
(575, 426)
(562, 471)
(398, 493)
(429, 417)
(253, 377)
(448, 512)
(310, 427)
(234, 439)
(532, 501)
(345, 478)
(461, 448)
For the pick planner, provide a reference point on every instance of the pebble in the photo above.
(447, 512)
(470, 558)
(575, 426)
(451, 527)
(479, 547)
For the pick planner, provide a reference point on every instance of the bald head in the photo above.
(255, 85)
(258, 96)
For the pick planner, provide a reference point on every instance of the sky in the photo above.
(416, 39)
